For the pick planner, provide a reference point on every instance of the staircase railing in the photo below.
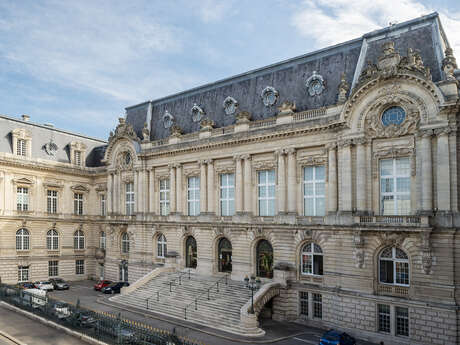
(169, 286)
(206, 293)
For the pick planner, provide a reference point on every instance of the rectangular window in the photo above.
(193, 196)
(21, 148)
(266, 192)
(304, 303)
(313, 190)
(227, 194)
(402, 321)
(317, 306)
(102, 240)
(23, 273)
(78, 203)
(395, 186)
(129, 198)
(22, 198)
(103, 205)
(51, 201)
(79, 266)
(164, 197)
(384, 318)
(77, 157)
(53, 268)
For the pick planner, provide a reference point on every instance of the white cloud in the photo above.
(335, 21)
(214, 10)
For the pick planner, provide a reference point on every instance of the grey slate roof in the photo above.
(42, 135)
(423, 34)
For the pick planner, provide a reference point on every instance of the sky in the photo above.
(78, 64)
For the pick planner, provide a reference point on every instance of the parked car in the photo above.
(59, 284)
(83, 319)
(114, 287)
(333, 337)
(35, 297)
(44, 285)
(26, 285)
(61, 310)
(102, 284)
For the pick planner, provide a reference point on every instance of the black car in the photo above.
(59, 284)
(26, 285)
(83, 319)
(114, 287)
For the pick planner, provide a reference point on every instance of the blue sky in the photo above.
(78, 64)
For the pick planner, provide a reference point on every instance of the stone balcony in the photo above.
(392, 290)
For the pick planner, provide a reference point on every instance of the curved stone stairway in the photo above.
(221, 311)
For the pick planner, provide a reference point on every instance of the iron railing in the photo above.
(205, 293)
(169, 286)
(102, 326)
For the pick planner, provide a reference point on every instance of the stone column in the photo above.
(453, 170)
(346, 184)
(443, 170)
(152, 190)
(211, 190)
(361, 178)
(247, 184)
(203, 191)
(172, 188)
(109, 203)
(291, 181)
(116, 192)
(179, 201)
(281, 182)
(238, 185)
(136, 191)
(427, 172)
(332, 178)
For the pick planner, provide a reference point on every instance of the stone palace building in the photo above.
(332, 176)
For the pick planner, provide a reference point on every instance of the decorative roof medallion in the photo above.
(51, 148)
(197, 113)
(168, 119)
(230, 105)
(315, 84)
(393, 116)
(269, 96)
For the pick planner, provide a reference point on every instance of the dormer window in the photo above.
(21, 149)
(21, 142)
(77, 157)
(77, 153)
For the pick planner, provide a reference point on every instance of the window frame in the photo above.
(317, 301)
(395, 260)
(406, 319)
(129, 198)
(395, 194)
(78, 199)
(269, 185)
(22, 198)
(79, 266)
(79, 240)
(21, 271)
(315, 197)
(193, 204)
(384, 326)
(125, 243)
(102, 240)
(53, 267)
(24, 239)
(52, 201)
(312, 255)
(228, 202)
(164, 192)
(103, 205)
(21, 147)
(163, 244)
(52, 240)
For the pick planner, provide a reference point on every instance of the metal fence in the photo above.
(106, 327)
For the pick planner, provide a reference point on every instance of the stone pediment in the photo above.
(23, 180)
(79, 188)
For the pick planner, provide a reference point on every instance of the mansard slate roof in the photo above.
(425, 35)
(43, 134)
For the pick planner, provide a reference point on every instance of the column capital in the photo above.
(209, 161)
(246, 157)
(442, 131)
(425, 133)
(280, 152)
(331, 146)
(237, 157)
(344, 143)
(290, 151)
(202, 162)
(360, 141)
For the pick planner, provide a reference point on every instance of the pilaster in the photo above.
(238, 185)
(281, 181)
(203, 190)
(211, 191)
(291, 181)
(443, 170)
(332, 178)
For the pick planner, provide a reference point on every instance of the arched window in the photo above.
(22, 239)
(125, 243)
(191, 252)
(102, 240)
(394, 266)
(264, 257)
(311, 259)
(79, 240)
(52, 240)
(162, 247)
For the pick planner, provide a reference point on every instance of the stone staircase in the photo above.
(221, 311)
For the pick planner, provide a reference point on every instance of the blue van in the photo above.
(332, 337)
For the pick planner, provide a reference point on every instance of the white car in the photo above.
(44, 285)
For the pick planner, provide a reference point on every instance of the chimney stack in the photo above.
(25, 118)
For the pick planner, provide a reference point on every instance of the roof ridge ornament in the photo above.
(315, 84)
(123, 130)
(230, 105)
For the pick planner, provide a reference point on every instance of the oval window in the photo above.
(393, 116)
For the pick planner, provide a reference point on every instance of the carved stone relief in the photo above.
(315, 84)
(197, 113)
(168, 119)
(230, 105)
(269, 96)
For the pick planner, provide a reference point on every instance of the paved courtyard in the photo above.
(279, 333)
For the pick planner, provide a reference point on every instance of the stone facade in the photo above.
(150, 191)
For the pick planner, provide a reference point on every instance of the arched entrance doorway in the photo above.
(264, 259)
(225, 255)
(123, 269)
(190, 252)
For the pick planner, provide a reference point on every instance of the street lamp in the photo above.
(252, 284)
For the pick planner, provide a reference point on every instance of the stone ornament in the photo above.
(168, 119)
(449, 64)
(176, 131)
(243, 117)
(393, 116)
(315, 84)
(287, 108)
(197, 113)
(206, 124)
(124, 160)
(343, 88)
(269, 96)
(50, 148)
(145, 132)
(230, 105)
